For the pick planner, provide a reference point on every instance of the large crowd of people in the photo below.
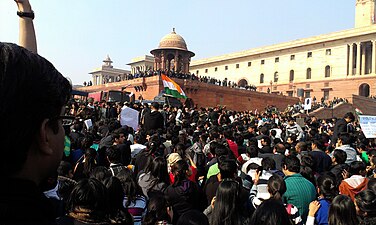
(204, 79)
(185, 166)
(222, 166)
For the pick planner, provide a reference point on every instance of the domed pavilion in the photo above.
(172, 54)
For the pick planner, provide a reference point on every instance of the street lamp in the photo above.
(271, 86)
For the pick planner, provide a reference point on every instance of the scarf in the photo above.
(87, 216)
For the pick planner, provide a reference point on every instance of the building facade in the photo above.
(172, 54)
(141, 64)
(107, 73)
(338, 64)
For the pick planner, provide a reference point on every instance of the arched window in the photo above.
(275, 77)
(364, 90)
(327, 71)
(261, 78)
(242, 83)
(308, 74)
(292, 74)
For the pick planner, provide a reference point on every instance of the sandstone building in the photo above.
(107, 73)
(337, 64)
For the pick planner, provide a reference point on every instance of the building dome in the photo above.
(173, 41)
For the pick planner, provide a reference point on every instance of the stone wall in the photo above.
(208, 95)
(366, 105)
(203, 94)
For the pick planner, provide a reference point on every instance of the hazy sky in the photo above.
(76, 35)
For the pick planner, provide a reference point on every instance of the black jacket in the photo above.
(21, 202)
(183, 198)
(153, 121)
(341, 126)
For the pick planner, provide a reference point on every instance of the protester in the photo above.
(183, 194)
(25, 77)
(300, 192)
(226, 207)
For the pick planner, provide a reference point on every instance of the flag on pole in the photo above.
(172, 88)
(358, 111)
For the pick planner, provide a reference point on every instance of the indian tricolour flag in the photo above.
(172, 88)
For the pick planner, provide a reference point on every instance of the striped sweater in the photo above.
(137, 208)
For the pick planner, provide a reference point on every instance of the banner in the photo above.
(368, 125)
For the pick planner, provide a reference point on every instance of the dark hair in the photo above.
(356, 167)
(64, 169)
(115, 193)
(292, 137)
(100, 173)
(113, 153)
(89, 164)
(327, 186)
(340, 156)
(342, 211)
(319, 142)
(280, 148)
(155, 105)
(227, 168)
(306, 169)
(349, 115)
(158, 172)
(221, 150)
(270, 212)
(345, 138)
(267, 140)
(157, 210)
(193, 217)
(227, 205)
(292, 163)
(138, 138)
(252, 151)
(86, 142)
(366, 202)
(130, 186)
(268, 163)
(89, 194)
(180, 149)
(276, 187)
(27, 81)
(65, 188)
(179, 169)
(372, 184)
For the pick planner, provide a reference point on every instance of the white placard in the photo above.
(307, 103)
(88, 123)
(368, 125)
(129, 117)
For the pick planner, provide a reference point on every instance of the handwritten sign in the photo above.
(368, 125)
(129, 117)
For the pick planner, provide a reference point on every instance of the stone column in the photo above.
(163, 61)
(100, 80)
(176, 61)
(351, 59)
(358, 48)
(363, 69)
(373, 61)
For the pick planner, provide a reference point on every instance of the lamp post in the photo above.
(293, 90)
(271, 86)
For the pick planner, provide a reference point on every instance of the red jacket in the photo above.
(234, 147)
